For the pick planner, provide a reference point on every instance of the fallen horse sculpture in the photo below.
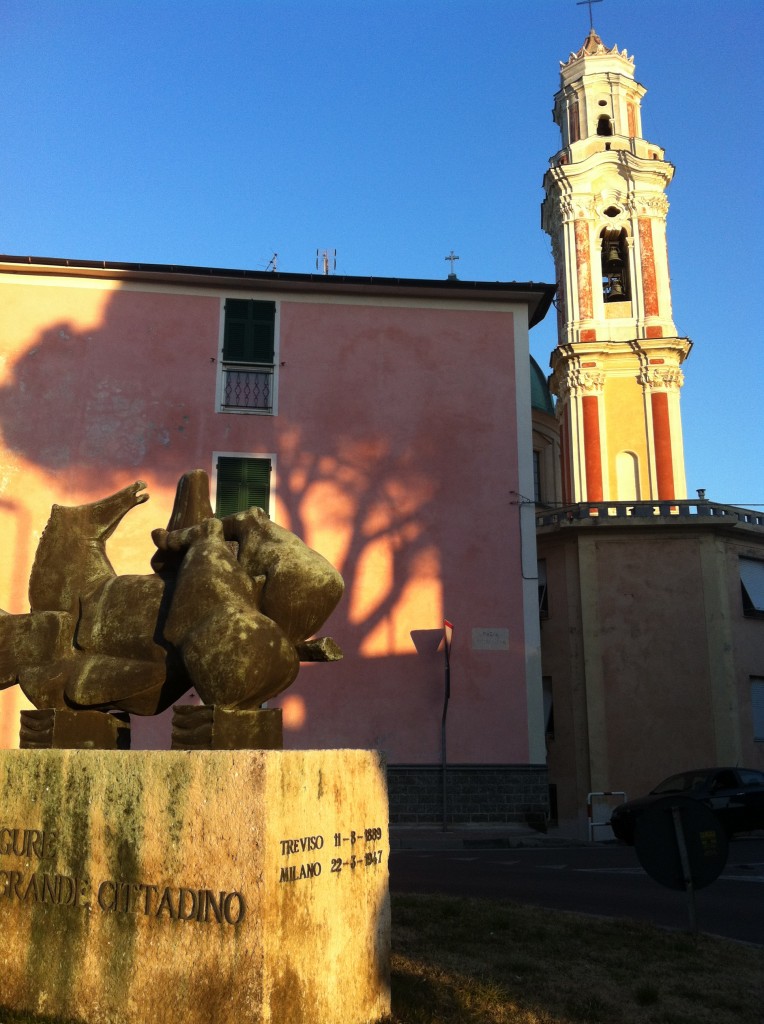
(227, 611)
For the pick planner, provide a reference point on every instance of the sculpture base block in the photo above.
(240, 887)
(62, 729)
(208, 727)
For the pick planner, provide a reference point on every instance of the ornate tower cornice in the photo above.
(593, 45)
(668, 379)
(575, 381)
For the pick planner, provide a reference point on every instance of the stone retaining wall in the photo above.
(478, 794)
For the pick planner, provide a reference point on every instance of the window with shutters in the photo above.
(241, 482)
(248, 364)
(752, 587)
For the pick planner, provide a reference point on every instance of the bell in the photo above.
(613, 255)
(616, 289)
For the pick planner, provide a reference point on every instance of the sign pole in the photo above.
(686, 871)
(448, 630)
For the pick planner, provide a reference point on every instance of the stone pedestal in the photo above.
(207, 727)
(62, 729)
(189, 887)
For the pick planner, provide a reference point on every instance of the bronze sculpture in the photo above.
(228, 610)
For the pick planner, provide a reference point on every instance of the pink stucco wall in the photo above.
(395, 449)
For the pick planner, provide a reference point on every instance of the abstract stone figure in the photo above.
(228, 610)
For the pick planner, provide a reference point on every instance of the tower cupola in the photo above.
(599, 97)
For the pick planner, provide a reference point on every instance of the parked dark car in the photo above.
(735, 795)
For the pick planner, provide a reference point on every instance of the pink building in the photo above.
(387, 422)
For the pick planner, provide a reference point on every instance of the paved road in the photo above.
(604, 879)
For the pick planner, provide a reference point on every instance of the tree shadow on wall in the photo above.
(90, 406)
(380, 503)
(93, 410)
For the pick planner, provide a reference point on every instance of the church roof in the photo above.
(593, 46)
(541, 397)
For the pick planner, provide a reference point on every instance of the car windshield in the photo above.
(682, 783)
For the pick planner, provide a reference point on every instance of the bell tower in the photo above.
(616, 369)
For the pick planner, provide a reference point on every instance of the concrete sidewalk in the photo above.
(475, 837)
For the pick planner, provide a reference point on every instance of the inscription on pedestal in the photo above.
(109, 896)
(357, 855)
(179, 902)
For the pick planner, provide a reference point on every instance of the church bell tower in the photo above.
(616, 369)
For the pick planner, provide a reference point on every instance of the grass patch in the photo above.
(458, 961)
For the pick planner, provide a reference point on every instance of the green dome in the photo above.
(541, 397)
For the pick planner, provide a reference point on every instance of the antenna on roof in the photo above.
(273, 263)
(583, 3)
(324, 258)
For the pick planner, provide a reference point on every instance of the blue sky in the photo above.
(219, 132)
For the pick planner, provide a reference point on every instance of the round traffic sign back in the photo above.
(658, 846)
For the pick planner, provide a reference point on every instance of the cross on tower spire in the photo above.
(583, 3)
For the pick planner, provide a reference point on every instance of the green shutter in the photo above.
(249, 331)
(241, 484)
